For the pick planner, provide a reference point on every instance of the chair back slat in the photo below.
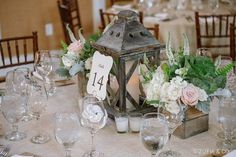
(220, 26)
(212, 31)
(25, 49)
(17, 51)
(232, 41)
(2, 54)
(9, 51)
(206, 26)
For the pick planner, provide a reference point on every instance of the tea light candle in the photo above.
(135, 124)
(135, 121)
(122, 124)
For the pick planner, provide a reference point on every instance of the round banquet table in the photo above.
(107, 139)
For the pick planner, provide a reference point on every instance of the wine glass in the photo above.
(37, 105)
(67, 130)
(13, 109)
(56, 61)
(18, 81)
(214, 5)
(173, 120)
(43, 64)
(204, 52)
(94, 117)
(154, 132)
(227, 118)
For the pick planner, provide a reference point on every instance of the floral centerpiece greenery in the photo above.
(185, 78)
(77, 56)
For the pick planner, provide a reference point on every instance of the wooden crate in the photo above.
(195, 122)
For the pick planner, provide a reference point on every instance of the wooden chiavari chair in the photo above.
(107, 17)
(17, 51)
(213, 27)
(69, 13)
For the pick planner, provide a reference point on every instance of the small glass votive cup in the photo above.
(135, 121)
(122, 123)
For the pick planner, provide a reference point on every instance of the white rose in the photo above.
(179, 82)
(202, 94)
(164, 92)
(172, 107)
(67, 61)
(170, 92)
(93, 113)
(174, 92)
(88, 63)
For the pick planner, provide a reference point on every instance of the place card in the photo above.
(101, 66)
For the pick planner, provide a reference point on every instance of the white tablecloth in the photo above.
(107, 140)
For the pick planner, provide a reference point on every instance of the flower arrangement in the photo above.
(185, 78)
(77, 56)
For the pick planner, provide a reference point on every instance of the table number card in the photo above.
(101, 67)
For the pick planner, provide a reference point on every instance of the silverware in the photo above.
(5, 151)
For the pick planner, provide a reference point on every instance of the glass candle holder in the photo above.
(122, 123)
(135, 121)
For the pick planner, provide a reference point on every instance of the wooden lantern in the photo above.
(126, 40)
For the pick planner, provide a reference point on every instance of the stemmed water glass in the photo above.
(94, 117)
(43, 64)
(154, 132)
(18, 82)
(67, 130)
(37, 105)
(13, 109)
(173, 120)
(227, 118)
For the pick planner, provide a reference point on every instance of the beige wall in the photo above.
(21, 17)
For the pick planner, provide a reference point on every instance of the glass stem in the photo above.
(228, 137)
(169, 143)
(14, 128)
(38, 124)
(93, 148)
(68, 152)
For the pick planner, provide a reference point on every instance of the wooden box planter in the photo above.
(195, 122)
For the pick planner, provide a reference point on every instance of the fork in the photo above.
(5, 151)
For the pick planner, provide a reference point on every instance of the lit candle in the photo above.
(122, 123)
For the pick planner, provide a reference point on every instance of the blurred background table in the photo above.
(179, 21)
(107, 140)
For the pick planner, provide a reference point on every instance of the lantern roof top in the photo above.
(127, 35)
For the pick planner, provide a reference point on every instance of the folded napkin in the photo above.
(35, 74)
(231, 154)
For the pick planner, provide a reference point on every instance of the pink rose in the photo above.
(190, 95)
(75, 46)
